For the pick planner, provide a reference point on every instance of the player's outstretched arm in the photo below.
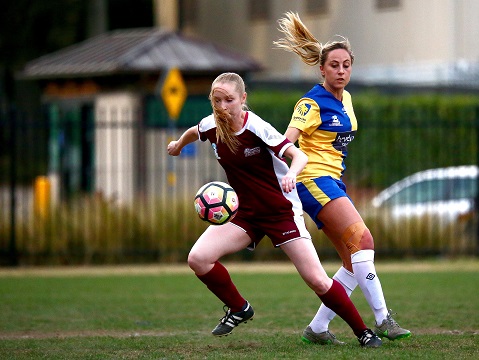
(189, 136)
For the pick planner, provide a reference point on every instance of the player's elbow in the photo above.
(305, 158)
(302, 158)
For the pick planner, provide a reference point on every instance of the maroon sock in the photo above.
(337, 300)
(218, 281)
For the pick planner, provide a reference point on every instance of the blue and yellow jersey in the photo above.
(327, 127)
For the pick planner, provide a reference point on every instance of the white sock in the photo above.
(365, 273)
(323, 317)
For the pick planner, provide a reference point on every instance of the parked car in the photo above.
(448, 193)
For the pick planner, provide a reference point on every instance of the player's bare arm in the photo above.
(292, 134)
(189, 136)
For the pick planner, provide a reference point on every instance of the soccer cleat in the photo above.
(369, 339)
(390, 329)
(232, 320)
(322, 338)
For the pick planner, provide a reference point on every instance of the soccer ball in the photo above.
(216, 203)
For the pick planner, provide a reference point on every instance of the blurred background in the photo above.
(92, 91)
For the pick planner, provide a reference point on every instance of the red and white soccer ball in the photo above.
(216, 203)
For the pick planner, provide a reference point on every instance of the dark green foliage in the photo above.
(397, 135)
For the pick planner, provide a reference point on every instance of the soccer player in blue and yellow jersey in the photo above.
(250, 151)
(324, 124)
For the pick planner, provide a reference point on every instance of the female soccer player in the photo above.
(250, 151)
(323, 123)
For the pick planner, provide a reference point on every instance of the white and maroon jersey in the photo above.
(256, 170)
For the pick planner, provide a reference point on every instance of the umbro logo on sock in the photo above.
(370, 276)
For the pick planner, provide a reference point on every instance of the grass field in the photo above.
(165, 312)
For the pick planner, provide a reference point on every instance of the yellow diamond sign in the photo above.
(173, 93)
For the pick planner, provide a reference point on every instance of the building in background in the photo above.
(104, 106)
(428, 43)
(112, 78)
(96, 128)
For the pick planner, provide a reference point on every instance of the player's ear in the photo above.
(243, 98)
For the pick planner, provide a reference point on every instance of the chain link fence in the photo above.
(67, 197)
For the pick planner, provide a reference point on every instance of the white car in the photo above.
(445, 192)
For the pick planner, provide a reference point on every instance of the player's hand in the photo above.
(288, 182)
(173, 148)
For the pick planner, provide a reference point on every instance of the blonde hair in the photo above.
(224, 125)
(301, 41)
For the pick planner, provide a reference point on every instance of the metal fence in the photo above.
(66, 197)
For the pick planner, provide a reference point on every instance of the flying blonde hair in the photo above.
(224, 124)
(301, 41)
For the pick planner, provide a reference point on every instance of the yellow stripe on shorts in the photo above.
(316, 192)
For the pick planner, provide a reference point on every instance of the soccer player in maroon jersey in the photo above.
(324, 124)
(251, 152)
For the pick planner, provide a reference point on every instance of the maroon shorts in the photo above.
(280, 231)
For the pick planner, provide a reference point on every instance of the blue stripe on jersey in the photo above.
(332, 111)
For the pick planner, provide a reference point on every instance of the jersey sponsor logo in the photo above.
(215, 149)
(335, 121)
(252, 152)
(303, 109)
(343, 139)
(299, 118)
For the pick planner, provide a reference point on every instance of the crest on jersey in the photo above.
(303, 109)
(252, 152)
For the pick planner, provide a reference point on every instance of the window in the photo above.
(388, 4)
(463, 188)
(259, 9)
(421, 192)
(435, 190)
(317, 7)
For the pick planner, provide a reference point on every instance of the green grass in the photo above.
(167, 313)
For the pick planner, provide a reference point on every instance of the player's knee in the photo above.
(195, 261)
(367, 241)
(320, 285)
(357, 237)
